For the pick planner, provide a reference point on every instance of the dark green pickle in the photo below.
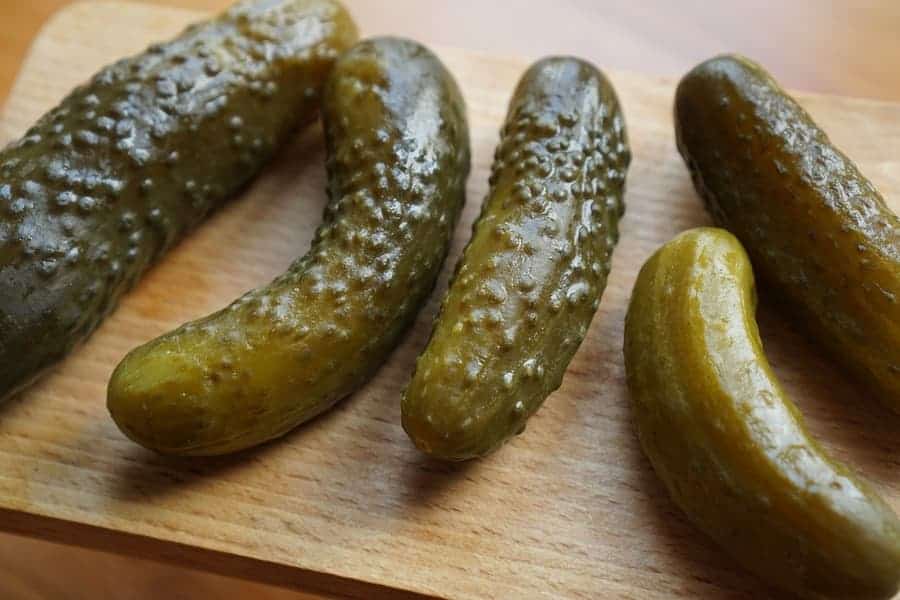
(817, 231)
(531, 277)
(730, 446)
(107, 181)
(398, 159)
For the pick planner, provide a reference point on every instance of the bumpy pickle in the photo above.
(531, 277)
(817, 231)
(730, 446)
(107, 181)
(398, 158)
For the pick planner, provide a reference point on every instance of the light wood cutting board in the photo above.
(570, 509)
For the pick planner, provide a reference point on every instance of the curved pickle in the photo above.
(730, 446)
(398, 158)
(111, 178)
(531, 277)
(817, 231)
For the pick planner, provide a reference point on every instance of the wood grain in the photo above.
(32, 569)
(345, 504)
(848, 47)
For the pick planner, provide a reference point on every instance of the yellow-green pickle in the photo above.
(108, 180)
(531, 277)
(398, 157)
(730, 446)
(817, 231)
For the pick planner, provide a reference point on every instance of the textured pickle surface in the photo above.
(126, 164)
(730, 446)
(815, 228)
(531, 277)
(398, 158)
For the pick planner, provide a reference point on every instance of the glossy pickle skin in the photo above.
(107, 181)
(817, 231)
(531, 276)
(398, 159)
(728, 444)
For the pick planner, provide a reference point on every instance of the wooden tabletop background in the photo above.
(847, 47)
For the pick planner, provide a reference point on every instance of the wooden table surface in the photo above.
(848, 47)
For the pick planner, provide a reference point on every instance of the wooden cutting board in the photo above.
(570, 509)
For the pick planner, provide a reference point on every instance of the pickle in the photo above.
(531, 277)
(111, 178)
(398, 158)
(817, 231)
(730, 446)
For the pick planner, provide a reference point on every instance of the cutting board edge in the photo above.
(95, 537)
